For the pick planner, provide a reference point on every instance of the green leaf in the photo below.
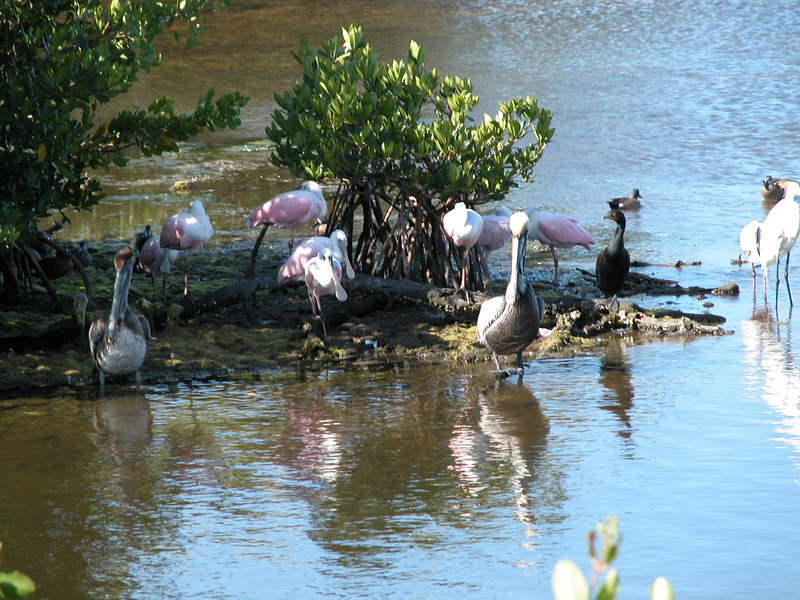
(14, 584)
(569, 582)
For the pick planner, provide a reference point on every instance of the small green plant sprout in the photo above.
(569, 582)
(14, 584)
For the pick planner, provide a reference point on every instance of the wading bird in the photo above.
(614, 261)
(778, 235)
(119, 344)
(463, 226)
(324, 276)
(187, 231)
(142, 237)
(494, 236)
(155, 260)
(631, 201)
(508, 324)
(557, 231)
(294, 269)
(288, 210)
(749, 242)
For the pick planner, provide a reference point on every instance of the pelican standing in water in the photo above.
(508, 324)
(119, 344)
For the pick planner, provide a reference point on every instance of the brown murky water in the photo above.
(420, 482)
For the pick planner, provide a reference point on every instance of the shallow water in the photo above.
(416, 482)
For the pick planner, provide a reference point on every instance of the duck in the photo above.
(631, 201)
(508, 324)
(773, 190)
(613, 261)
(118, 344)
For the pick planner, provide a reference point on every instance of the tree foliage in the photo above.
(401, 141)
(60, 61)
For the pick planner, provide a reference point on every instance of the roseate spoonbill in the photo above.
(557, 231)
(508, 324)
(463, 226)
(749, 242)
(494, 236)
(288, 210)
(155, 260)
(778, 235)
(142, 237)
(614, 261)
(294, 269)
(774, 190)
(187, 231)
(119, 344)
(631, 201)
(324, 276)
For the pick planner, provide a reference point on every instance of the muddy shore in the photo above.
(271, 329)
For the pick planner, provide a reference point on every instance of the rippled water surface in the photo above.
(422, 481)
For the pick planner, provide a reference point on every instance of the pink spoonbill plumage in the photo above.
(288, 210)
(187, 231)
(496, 234)
(463, 226)
(155, 260)
(557, 231)
(294, 269)
(324, 276)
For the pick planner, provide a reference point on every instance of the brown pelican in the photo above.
(774, 190)
(614, 261)
(119, 344)
(508, 324)
(631, 201)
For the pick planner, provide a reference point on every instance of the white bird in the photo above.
(749, 241)
(508, 324)
(187, 231)
(463, 226)
(294, 269)
(778, 235)
(324, 276)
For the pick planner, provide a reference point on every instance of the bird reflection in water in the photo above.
(502, 435)
(615, 376)
(773, 372)
(124, 430)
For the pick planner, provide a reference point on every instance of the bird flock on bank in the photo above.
(506, 324)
